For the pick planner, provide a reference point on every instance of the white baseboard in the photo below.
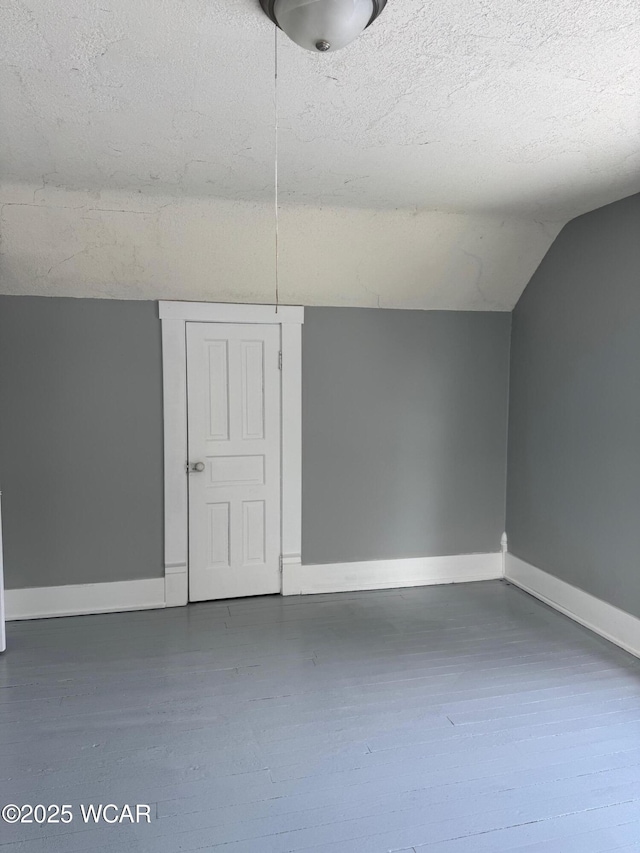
(73, 600)
(171, 590)
(610, 622)
(388, 574)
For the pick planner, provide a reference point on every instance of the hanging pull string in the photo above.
(275, 171)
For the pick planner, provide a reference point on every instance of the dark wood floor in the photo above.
(458, 719)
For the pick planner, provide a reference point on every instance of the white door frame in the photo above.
(174, 316)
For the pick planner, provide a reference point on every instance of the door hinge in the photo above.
(280, 563)
(280, 361)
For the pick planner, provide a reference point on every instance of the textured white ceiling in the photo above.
(495, 111)
(132, 246)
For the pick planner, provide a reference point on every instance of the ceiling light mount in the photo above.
(322, 25)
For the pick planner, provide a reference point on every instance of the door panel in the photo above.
(233, 386)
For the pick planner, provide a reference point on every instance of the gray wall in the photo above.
(80, 440)
(404, 436)
(574, 431)
(404, 433)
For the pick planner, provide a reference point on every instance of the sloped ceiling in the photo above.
(428, 165)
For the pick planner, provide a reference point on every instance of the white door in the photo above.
(233, 387)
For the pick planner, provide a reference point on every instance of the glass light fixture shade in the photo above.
(323, 25)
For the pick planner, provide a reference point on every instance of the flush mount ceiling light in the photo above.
(323, 25)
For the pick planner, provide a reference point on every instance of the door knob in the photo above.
(196, 467)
